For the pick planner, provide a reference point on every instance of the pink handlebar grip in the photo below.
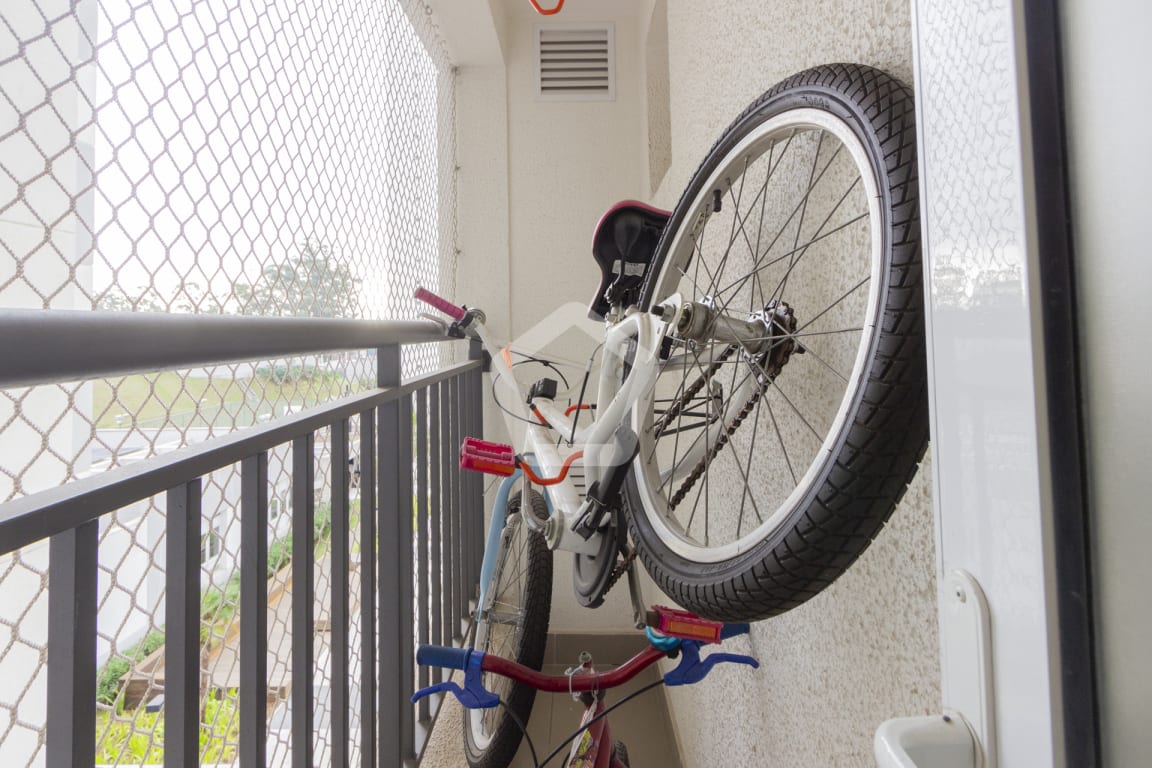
(491, 458)
(445, 306)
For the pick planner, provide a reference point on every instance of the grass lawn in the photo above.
(152, 397)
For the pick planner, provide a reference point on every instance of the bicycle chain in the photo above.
(700, 467)
(677, 406)
(620, 569)
(775, 360)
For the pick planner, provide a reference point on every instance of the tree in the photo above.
(309, 284)
(187, 297)
(115, 299)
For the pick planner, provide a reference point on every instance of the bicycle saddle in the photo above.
(623, 245)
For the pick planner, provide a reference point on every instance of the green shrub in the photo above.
(279, 554)
(217, 607)
(220, 731)
(139, 741)
(108, 681)
(282, 373)
(322, 522)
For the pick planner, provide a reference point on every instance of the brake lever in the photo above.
(693, 669)
(473, 695)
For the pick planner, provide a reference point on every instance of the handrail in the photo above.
(45, 346)
(39, 515)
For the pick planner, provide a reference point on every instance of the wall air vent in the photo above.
(575, 62)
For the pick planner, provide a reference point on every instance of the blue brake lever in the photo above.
(473, 695)
(693, 669)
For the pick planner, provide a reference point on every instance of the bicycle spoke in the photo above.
(744, 475)
(803, 212)
(677, 464)
(788, 254)
(760, 224)
(780, 438)
(779, 294)
(800, 415)
(787, 221)
(738, 221)
(687, 427)
(747, 489)
(825, 311)
(809, 353)
(798, 334)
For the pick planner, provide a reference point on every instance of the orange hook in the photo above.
(543, 12)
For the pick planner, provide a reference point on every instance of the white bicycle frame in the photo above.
(631, 344)
(635, 338)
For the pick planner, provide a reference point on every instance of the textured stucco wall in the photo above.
(568, 162)
(867, 648)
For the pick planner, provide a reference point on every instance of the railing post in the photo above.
(436, 459)
(422, 518)
(467, 519)
(182, 625)
(303, 597)
(460, 604)
(339, 575)
(254, 609)
(447, 514)
(406, 625)
(392, 644)
(475, 397)
(71, 710)
(367, 589)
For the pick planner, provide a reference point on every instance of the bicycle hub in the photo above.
(700, 322)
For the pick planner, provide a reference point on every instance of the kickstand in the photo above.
(639, 607)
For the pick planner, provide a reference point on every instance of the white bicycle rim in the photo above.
(682, 535)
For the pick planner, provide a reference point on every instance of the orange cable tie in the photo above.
(543, 12)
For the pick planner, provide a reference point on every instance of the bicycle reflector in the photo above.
(687, 626)
(490, 458)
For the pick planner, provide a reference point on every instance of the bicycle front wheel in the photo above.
(514, 626)
(770, 458)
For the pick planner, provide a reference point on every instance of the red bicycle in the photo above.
(671, 634)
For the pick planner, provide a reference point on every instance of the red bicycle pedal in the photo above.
(490, 458)
(685, 625)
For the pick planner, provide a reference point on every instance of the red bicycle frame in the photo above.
(588, 750)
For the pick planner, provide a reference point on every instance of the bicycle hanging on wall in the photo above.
(761, 402)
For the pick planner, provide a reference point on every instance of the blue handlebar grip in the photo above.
(441, 656)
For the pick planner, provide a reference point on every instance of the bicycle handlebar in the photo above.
(442, 304)
(692, 669)
(597, 681)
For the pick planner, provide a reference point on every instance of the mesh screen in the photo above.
(290, 157)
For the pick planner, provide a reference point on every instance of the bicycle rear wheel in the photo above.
(515, 626)
(768, 464)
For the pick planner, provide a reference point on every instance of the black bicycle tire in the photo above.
(621, 754)
(507, 735)
(886, 433)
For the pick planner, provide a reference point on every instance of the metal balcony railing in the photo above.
(414, 585)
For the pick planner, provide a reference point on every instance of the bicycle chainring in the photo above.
(594, 575)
